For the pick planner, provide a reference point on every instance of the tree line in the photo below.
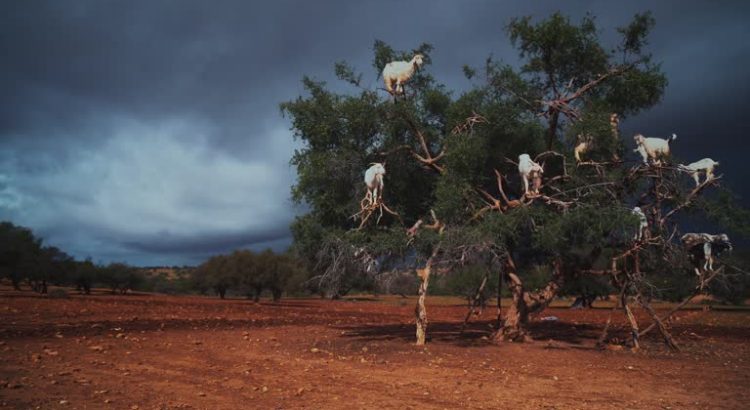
(249, 274)
(26, 262)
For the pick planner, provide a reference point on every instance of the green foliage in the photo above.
(734, 287)
(249, 273)
(582, 226)
(121, 277)
(19, 249)
(466, 281)
(588, 286)
(85, 274)
(635, 34)
(346, 73)
(724, 210)
(558, 49)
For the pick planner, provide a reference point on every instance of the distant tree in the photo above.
(121, 277)
(19, 252)
(217, 274)
(85, 275)
(49, 264)
(250, 273)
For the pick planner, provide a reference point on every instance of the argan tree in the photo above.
(452, 193)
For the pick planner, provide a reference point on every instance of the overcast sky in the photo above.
(149, 131)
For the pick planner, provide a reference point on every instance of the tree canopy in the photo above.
(452, 179)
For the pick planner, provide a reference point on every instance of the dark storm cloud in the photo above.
(150, 131)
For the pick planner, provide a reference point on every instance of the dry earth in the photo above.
(162, 352)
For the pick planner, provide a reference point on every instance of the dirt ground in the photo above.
(163, 352)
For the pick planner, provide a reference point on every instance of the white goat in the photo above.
(643, 225)
(706, 165)
(529, 170)
(374, 181)
(702, 247)
(399, 72)
(584, 143)
(653, 148)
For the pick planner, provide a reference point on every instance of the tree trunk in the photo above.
(524, 302)
(668, 339)
(631, 319)
(499, 323)
(421, 310)
(517, 314)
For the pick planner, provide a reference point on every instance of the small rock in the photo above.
(315, 350)
(264, 389)
(64, 402)
(202, 394)
(97, 348)
(50, 352)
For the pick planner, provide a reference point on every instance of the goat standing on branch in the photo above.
(643, 223)
(652, 148)
(373, 200)
(374, 182)
(706, 165)
(397, 73)
(528, 169)
(584, 144)
(702, 248)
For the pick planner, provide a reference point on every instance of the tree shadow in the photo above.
(476, 333)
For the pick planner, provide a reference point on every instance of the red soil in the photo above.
(145, 352)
